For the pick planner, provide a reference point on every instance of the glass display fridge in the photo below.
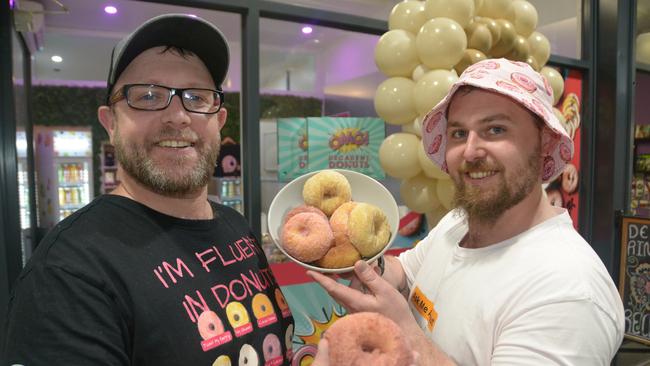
(64, 166)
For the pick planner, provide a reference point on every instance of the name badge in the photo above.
(425, 307)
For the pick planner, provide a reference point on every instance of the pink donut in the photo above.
(209, 325)
(367, 339)
(271, 346)
(301, 209)
(307, 236)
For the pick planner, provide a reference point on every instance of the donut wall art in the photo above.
(564, 190)
(428, 44)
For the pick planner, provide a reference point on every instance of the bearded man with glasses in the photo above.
(154, 273)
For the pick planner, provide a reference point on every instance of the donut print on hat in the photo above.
(521, 83)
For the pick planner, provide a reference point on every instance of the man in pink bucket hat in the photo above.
(504, 278)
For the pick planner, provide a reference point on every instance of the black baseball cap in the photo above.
(179, 30)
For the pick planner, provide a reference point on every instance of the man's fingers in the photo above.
(323, 355)
(342, 294)
(369, 277)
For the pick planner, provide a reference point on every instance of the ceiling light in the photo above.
(110, 9)
(56, 58)
(307, 29)
(316, 41)
(192, 15)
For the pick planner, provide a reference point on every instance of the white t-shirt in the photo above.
(542, 297)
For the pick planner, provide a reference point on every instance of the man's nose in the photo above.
(474, 149)
(175, 113)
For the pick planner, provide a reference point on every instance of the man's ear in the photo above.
(222, 115)
(107, 118)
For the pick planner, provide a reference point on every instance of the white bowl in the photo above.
(364, 189)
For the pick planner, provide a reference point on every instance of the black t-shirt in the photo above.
(118, 283)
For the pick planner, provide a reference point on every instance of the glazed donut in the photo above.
(367, 339)
(339, 256)
(301, 209)
(368, 229)
(209, 325)
(339, 223)
(327, 190)
(307, 237)
(569, 178)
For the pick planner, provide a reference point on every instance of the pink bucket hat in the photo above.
(513, 79)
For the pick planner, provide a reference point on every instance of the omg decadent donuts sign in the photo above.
(346, 143)
(310, 144)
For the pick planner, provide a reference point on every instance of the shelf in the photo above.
(71, 206)
(111, 167)
(65, 185)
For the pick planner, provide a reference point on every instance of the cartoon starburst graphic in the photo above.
(320, 327)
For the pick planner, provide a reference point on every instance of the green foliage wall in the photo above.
(77, 106)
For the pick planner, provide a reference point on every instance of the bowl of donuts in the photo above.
(329, 219)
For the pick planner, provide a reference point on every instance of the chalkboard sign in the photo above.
(634, 283)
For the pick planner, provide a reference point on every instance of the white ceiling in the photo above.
(85, 35)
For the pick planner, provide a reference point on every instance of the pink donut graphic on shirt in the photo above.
(565, 152)
(548, 168)
(272, 348)
(435, 145)
(433, 122)
(209, 325)
(523, 81)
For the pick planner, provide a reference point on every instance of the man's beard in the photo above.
(136, 161)
(487, 205)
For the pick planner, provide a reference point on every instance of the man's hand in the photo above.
(369, 292)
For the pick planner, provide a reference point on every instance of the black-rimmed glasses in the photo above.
(151, 97)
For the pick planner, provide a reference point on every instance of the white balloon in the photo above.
(445, 190)
(395, 53)
(462, 11)
(407, 15)
(394, 101)
(419, 71)
(432, 88)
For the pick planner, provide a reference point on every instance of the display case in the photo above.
(108, 179)
(227, 191)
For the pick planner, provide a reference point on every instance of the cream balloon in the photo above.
(433, 217)
(507, 39)
(524, 17)
(440, 43)
(419, 71)
(470, 57)
(429, 168)
(555, 80)
(394, 101)
(407, 15)
(395, 53)
(493, 26)
(496, 8)
(479, 37)
(643, 48)
(445, 191)
(520, 51)
(409, 128)
(530, 60)
(417, 125)
(398, 155)
(419, 193)
(478, 4)
(462, 11)
(540, 48)
(432, 88)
